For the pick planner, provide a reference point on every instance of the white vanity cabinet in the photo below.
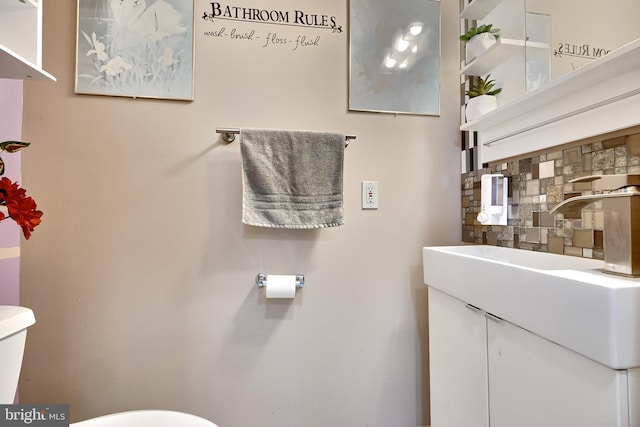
(21, 40)
(486, 371)
(458, 363)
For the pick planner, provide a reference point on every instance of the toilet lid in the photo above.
(14, 319)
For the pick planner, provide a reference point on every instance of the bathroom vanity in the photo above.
(506, 347)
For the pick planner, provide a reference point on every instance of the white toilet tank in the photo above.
(14, 322)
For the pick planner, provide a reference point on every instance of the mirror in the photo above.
(580, 63)
(578, 32)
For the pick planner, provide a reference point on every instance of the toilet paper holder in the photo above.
(261, 280)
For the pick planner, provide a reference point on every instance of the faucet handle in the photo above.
(611, 182)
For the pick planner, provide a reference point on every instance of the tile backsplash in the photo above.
(539, 182)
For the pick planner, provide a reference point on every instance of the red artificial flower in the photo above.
(21, 208)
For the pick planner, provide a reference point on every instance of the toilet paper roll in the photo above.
(281, 286)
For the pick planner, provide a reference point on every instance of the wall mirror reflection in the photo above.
(542, 40)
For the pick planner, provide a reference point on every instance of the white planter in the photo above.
(478, 44)
(480, 105)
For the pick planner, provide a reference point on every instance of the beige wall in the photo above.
(141, 275)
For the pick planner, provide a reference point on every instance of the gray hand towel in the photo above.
(292, 179)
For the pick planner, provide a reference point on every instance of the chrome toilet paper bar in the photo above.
(261, 280)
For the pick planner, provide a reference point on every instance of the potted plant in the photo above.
(482, 97)
(478, 39)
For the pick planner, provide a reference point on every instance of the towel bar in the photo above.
(229, 135)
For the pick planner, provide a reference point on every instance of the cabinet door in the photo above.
(21, 40)
(458, 363)
(534, 382)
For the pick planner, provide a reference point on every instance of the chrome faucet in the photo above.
(621, 220)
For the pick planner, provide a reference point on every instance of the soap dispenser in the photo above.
(493, 199)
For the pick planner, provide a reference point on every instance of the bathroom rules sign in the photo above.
(293, 29)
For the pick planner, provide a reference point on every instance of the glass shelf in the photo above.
(478, 9)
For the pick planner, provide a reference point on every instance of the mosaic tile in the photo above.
(470, 218)
(512, 168)
(468, 183)
(526, 210)
(587, 219)
(582, 186)
(547, 169)
(529, 246)
(633, 144)
(533, 188)
(525, 166)
(586, 162)
(576, 171)
(547, 219)
(554, 194)
(555, 245)
(620, 151)
(571, 156)
(603, 159)
(598, 220)
(556, 155)
(620, 161)
(492, 238)
(583, 238)
(515, 198)
(533, 235)
(540, 182)
(507, 233)
(569, 250)
(614, 142)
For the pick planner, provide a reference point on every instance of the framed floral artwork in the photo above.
(135, 48)
(394, 56)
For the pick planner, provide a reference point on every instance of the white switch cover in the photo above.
(369, 194)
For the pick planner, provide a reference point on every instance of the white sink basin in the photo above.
(567, 300)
